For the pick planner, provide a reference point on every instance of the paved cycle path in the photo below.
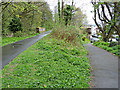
(10, 51)
(105, 67)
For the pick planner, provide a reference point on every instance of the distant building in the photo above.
(92, 30)
(40, 29)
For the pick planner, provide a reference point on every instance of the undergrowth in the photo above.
(68, 34)
(52, 62)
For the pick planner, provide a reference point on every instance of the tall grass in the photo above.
(67, 33)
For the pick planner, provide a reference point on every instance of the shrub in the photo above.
(69, 34)
(96, 43)
(15, 25)
(109, 49)
(105, 47)
(105, 43)
(115, 51)
(113, 44)
(115, 48)
(118, 47)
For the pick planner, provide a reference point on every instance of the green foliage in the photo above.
(105, 45)
(79, 19)
(68, 34)
(15, 25)
(24, 11)
(113, 44)
(109, 49)
(101, 43)
(67, 14)
(50, 63)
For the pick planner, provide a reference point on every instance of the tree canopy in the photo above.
(31, 15)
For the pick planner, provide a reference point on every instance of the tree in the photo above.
(107, 25)
(78, 18)
(59, 9)
(67, 14)
(15, 25)
(62, 9)
(34, 14)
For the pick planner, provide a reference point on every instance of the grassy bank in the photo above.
(106, 46)
(49, 63)
(9, 40)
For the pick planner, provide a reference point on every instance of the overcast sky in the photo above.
(85, 6)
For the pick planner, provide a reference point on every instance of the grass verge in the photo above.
(9, 40)
(49, 63)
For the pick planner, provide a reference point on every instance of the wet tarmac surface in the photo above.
(10, 51)
(105, 67)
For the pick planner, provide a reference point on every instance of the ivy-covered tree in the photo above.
(67, 14)
(15, 25)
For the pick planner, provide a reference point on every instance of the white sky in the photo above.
(85, 6)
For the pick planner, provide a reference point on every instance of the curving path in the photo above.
(105, 67)
(10, 51)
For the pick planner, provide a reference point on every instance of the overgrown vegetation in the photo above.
(57, 63)
(69, 34)
(113, 48)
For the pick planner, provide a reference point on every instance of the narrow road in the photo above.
(10, 51)
(105, 67)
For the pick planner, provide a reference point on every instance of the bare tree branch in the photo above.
(103, 9)
(110, 13)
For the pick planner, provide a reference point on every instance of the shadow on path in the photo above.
(105, 67)
(10, 51)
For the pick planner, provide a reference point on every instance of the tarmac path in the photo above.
(105, 67)
(10, 51)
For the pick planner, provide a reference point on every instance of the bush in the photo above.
(114, 51)
(101, 43)
(105, 47)
(15, 25)
(96, 43)
(109, 49)
(69, 34)
(113, 44)
(105, 43)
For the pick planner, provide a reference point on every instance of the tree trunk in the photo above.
(62, 9)
(59, 9)
(104, 37)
